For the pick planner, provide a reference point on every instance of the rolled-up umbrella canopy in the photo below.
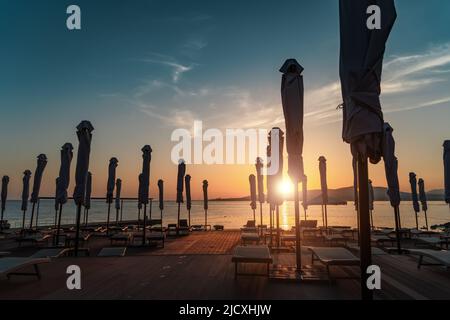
(260, 179)
(4, 195)
(371, 197)
(361, 63)
(277, 135)
(118, 191)
(64, 173)
(447, 170)
(414, 197)
(324, 188)
(180, 181)
(423, 199)
(391, 166)
(146, 158)
(140, 188)
(205, 201)
(391, 171)
(161, 194)
(292, 101)
(41, 164)
(56, 195)
(252, 180)
(84, 134)
(187, 182)
(305, 194)
(113, 162)
(25, 193)
(269, 180)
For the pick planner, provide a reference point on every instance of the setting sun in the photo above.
(285, 188)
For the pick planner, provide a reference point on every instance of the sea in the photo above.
(232, 214)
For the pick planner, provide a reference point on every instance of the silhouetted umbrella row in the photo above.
(187, 182)
(118, 201)
(62, 184)
(113, 163)
(252, 181)
(414, 196)
(361, 62)
(25, 194)
(205, 201)
(161, 199)
(423, 199)
(144, 183)
(324, 189)
(180, 184)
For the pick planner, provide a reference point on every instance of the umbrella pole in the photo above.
(107, 219)
(417, 221)
(121, 210)
(117, 216)
(56, 218)
(23, 220)
(426, 219)
(189, 217)
(326, 217)
(271, 224)
(178, 219)
(58, 227)
(162, 225)
(397, 228)
(87, 216)
(364, 220)
(77, 233)
(371, 220)
(150, 212)
(32, 216)
(144, 222)
(37, 213)
(3, 210)
(278, 225)
(206, 219)
(323, 217)
(298, 248)
(254, 215)
(139, 217)
(261, 217)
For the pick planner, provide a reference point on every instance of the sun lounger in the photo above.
(51, 253)
(112, 252)
(184, 228)
(153, 237)
(12, 266)
(251, 254)
(381, 239)
(433, 242)
(172, 229)
(335, 239)
(218, 227)
(122, 238)
(249, 237)
(250, 226)
(35, 239)
(375, 250)
(333, 256)
(440, 257)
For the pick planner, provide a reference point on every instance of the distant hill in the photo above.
(346, 194)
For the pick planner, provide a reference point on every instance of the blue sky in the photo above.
(139, 69)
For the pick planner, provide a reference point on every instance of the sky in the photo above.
(140, 69)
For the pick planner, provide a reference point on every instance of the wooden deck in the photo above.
(199, 266)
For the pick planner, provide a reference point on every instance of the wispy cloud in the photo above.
(177, 68)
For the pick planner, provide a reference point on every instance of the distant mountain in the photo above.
(346, 194)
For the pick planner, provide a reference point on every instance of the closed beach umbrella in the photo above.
(260, 181)
(145, 184)
(66, 156)
(355, 185)
(113, 162)
(187, 182)
(161, 199)
(41, 164)
(25, 194)
(117, 204)
(324, 189)
(56, 204)
(423, 199)
(361, 62)
(84, 134)
(205, 201)
(391, 171)
(371, 197)
(252, 180)
(447, 170)
(87, 200)
(180, 183)
(414, 197)
(305, 194)
(4, 195)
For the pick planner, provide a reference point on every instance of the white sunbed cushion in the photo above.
(442, 256)
(334, 255)
(257, 254)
